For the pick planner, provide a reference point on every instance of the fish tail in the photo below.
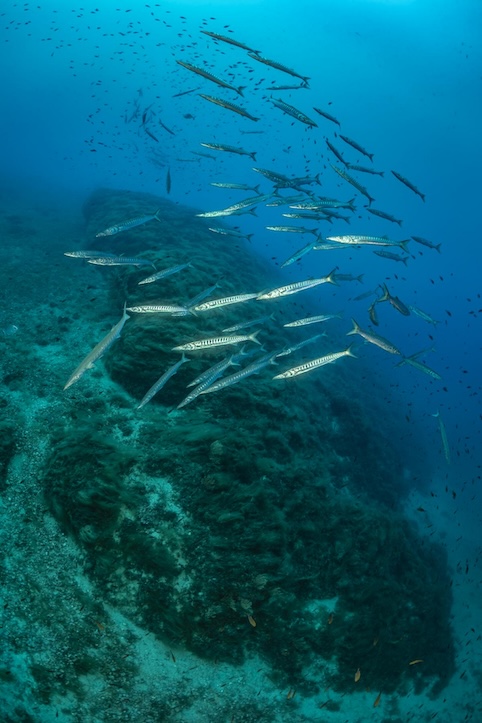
(370, 156)
(437, 246)
(330, 278)
(422, 196)
(403, 245)
(253, 156)
(349, 352)
(156, 215)
(252, 211)
(405, 259)
(355, 329)
(381, 173)
(253, 337)
(400, 223)
(256, 189)
(317, 179)
(240, 90)
(249, 236)
(360, 278)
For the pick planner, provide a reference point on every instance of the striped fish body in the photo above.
(375, 339)
(421, 367)
(294, 112)
(230, 41)
(98, 350)
(362, 169)
(277, 178)
(386, 216)
(237, 186)
(130, 223)
(425, 242)
(312, 320)
(314, 364)
(293, 229)
(299, 254)
(389, 255)
(295, 287)
(156, 309)
(87, 254)
(211, 77)
(226, 301)
(216, 341)
(120, 261)
(353, 240)
(336, 153)
(229, 106)
(248, 371)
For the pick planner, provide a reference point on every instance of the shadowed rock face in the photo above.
(261, 518)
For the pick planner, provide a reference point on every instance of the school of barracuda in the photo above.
(310, 206)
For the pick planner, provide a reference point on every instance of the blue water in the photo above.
(404, 79)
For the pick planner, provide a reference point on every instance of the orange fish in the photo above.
(377, 700)
(357, 675)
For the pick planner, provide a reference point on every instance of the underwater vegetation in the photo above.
(264, 519)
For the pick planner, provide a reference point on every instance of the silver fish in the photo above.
(425, 242)
(300, 253)
(362, 169)
(120, 261)
(356, 146)
(253, 368)
(230, 149)
(418, 365)
(98, 350)
(130, 223)
(313, 320)
(386, 216)
(237, 186)
(293, 112)
(373, 338)
(343, 174)
(443, 435)
(393, 257)
(247, 324)
(278, 66)
(409, 185)
(354, 240)
(229, 106)
(211, 77)
(292, 229)
(314, 364)
(296, 286)
(226, 301)
(157, 386)
(327, 116)
(216, 341)
(87, 254)
(157, 309)
(423, 315)
(165, 273)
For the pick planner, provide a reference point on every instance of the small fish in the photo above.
(330, 618)
(252, 621)
(165, 273)
(168, 181)
(157, 309)
(236, 207)
(425, 242)
(211, 77)
(324, 204)
(212, 342)
(253, 368)
(226, 301)
(373, 314)
(229, 106)
(375, 339)
(297, 286)
(365, 295)
(120, 261)
(377, 700)
(409, 185)
(349, 277)
(291, 349)
(99, 350)
(130, 223)
(357, 675)
(185, 92)
(230, 149)
(386, 216)
(278, 66)
(293, 112)
(291, 693)
(288, 87)
(356, 146)
(216, 370)
(161, 382)
(312, 320)
(314, 364)
(416, 662)
(327, 116)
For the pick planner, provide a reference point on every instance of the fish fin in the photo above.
(403, 245)
(240, 90)
(330, 278)
(253, 336)
(253, 156)
(355, 329)
(349, 351)
(256, 189)
(437, 246)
